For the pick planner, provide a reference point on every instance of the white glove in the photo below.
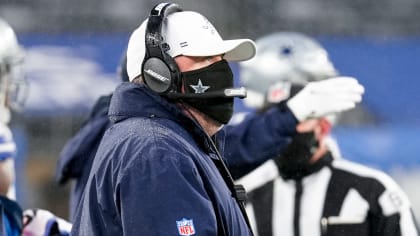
(321, 98)
(38, 222)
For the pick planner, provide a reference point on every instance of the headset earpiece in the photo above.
(160, 71)
(157, 75)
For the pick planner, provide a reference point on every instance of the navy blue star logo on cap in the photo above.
(199, 88)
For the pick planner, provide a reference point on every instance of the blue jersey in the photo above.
(10, 217)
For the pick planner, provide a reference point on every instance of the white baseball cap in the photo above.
(187, 33)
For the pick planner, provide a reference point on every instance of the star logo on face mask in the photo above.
(199, 88)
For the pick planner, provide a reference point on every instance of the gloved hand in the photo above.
(321, 98)
(38, 222)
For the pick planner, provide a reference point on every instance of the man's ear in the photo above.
(325, 126)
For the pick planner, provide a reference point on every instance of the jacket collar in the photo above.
(135, 100)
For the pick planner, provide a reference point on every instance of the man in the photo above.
(11, 96)
(158, 153)
(158, 169)
(13, 91)
(307, 189)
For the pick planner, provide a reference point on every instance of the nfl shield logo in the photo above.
(185, 227)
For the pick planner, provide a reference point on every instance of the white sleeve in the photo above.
(394, 201)
(7, 144)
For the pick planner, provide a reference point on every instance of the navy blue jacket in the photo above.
(154, 175)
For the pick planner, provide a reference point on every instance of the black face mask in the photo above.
(293, 163)
(214, 78)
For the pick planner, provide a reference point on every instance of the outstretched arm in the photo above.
(255, 138)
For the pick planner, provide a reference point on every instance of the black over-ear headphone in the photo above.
(160, 72)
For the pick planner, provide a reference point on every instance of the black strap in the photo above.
(238, 191)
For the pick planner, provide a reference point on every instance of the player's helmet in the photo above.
(283, 59)
(13, 87)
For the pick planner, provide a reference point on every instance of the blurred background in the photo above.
(74, 47)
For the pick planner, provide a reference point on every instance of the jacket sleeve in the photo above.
(396, 215)
(257, 138)
(162, 194)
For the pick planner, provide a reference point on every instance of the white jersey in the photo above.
(7, 145)
(7, 154)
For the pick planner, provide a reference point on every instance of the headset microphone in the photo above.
(236, 92)
(226, 93)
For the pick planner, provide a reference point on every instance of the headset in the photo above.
(160, 71)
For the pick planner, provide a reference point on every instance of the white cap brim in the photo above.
(233, 50)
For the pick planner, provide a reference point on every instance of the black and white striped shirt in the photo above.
(339, 198)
